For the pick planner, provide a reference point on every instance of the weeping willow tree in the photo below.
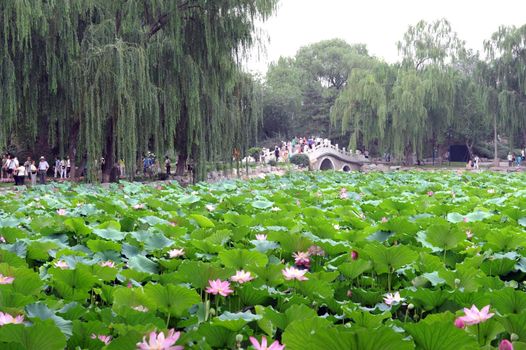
(505, 78)
(362, 107)
(114, 79)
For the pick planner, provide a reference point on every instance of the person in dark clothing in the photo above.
(168, 165)
(276, 153)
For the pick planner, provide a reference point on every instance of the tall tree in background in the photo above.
(118, 78)
(505, 75)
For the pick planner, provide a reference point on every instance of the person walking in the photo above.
(510, 159)
(122, 167)
(477, 160)
(68, 167)
(20, 175)
(276, 153)
(43, 167)
(33, 173)
(63, 165)
(10, 166)
(57, 167)
(168, 165)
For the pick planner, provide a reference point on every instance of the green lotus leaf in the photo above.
(439, 335)
(43, 312)
(508, 301)
(444, 236)
(354, 269)
(172, 299)
(241, 258)
(152, 240)
(515, 324)
(386, 259)
(141, 263)
(44, 335)
(262, 204)
(77, 226)
(98, 245)
(74, 284)
(235, 321)
(202, 221)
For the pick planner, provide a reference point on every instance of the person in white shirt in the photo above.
(63, 165)
(477, 160)
(43, 167)
(20, 175)
(33, 173)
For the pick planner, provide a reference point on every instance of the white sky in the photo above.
(378, 23)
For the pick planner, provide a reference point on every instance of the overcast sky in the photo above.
(378, 23)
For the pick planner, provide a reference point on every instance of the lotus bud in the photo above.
(505, 345)
(457, 282)
(349, 293)
(212, 311)
(416, 317)
(410, 306)
(239, 338)
(459, 323)
(354, 255)
(514, 337)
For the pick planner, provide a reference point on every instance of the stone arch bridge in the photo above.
(330, 157)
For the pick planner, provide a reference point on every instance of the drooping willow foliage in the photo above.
(117, 78)
(439, 92)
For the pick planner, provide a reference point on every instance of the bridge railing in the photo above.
(335, 148)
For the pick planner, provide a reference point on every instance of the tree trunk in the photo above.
(109, 151)
(496, 161)
(181, 164)
(72, 150)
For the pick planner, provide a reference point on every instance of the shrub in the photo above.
(255, 152)
(301, 160)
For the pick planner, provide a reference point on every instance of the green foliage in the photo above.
(301, 160)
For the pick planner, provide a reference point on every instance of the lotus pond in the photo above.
(308, 260)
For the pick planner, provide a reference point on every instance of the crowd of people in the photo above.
(17, 171)
(516, 159)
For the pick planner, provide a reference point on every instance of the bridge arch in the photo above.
(327, 164)
(346, 168)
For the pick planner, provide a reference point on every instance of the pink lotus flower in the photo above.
(315, 250)
(391, 299)
(6, 279)
(263, 346)
(242, 277)
(61, 264)
(491, 191)
(292, 273)
(343, 193)
(107, 264)
(172, 223)
(349, 293)
(465, 219)
(138, 206)
(302, 259)
(7, 319)
(336, 227)
(159, 342)
(2, 239)
(210, 207)
(261, 237)
(505, 345)
(430, 193)
(61, 212)
(474, 316)
(469, 234)
(384, 220)
(106, 339)
(354, 255)
(219, 287)
(140, 308)
(175, 253)
(459, 323)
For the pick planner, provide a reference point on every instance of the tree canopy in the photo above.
(114, 79)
